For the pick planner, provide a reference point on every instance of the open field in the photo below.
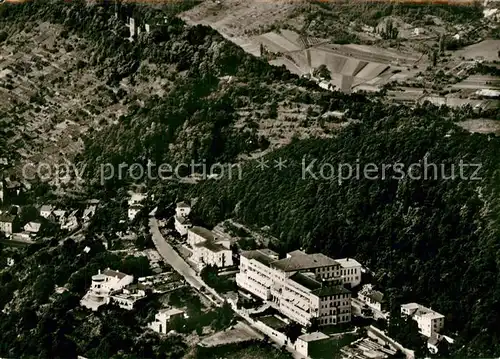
(240, 333)
(350, 65)
(481, 126)
(486, 50)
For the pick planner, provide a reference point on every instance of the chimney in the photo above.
(99, 271)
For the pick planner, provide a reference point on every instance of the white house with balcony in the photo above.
(163, 319)
(104, 285)
(429, 321)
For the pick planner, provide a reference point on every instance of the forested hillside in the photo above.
(432, 241)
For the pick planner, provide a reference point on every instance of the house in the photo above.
(135, 204)
(32, 227)
(6, 223)
(89, 212)
(304, 287)
(350, 271)
(181, 221)
(163, 318)
(306, 342)
(128, 297)
(46, 211)
(208, 249)
(71, 221)
(182, 224)
(133, 210)
(429, 321)
(105, 284)
(182, 209)
(373, 298)
(59, 215)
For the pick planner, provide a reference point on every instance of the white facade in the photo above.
(429, 322)
(208, 249)
(182, 209)
(103, 286)
(350, 271)
(133, 210)
(135, 204)
(304, 287)
(32, 227)
(304, 342)
(372, 298)
(163, 318)
(182, 225)
(6, 222)
(46, 211)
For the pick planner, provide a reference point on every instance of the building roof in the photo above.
(312, 337)
(32, 227)
(182, 220)
(330, 290)
(259, 255)
(183, 205)
(304, 261)
(212, 246)
(422, 311)
(113, 273)
(295, 253)
(376, 296)
(348, 262)
(46, 208)
(171, 311)
(305, 281)
(203, 232)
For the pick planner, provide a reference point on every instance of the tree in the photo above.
(293, 331)
(322, 72)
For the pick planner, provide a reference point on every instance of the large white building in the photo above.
(208, 249)
(104, 285)
(304, 287)
(429, 321)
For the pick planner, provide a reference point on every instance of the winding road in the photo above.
(171, 257)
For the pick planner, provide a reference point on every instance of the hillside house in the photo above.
(104, 285)
(46, 211)
(208, 249)
(128, 297)
(32, 228)
(6, 223)
(163, 318)
(181, 220)
(372, 298)
(429, 321)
